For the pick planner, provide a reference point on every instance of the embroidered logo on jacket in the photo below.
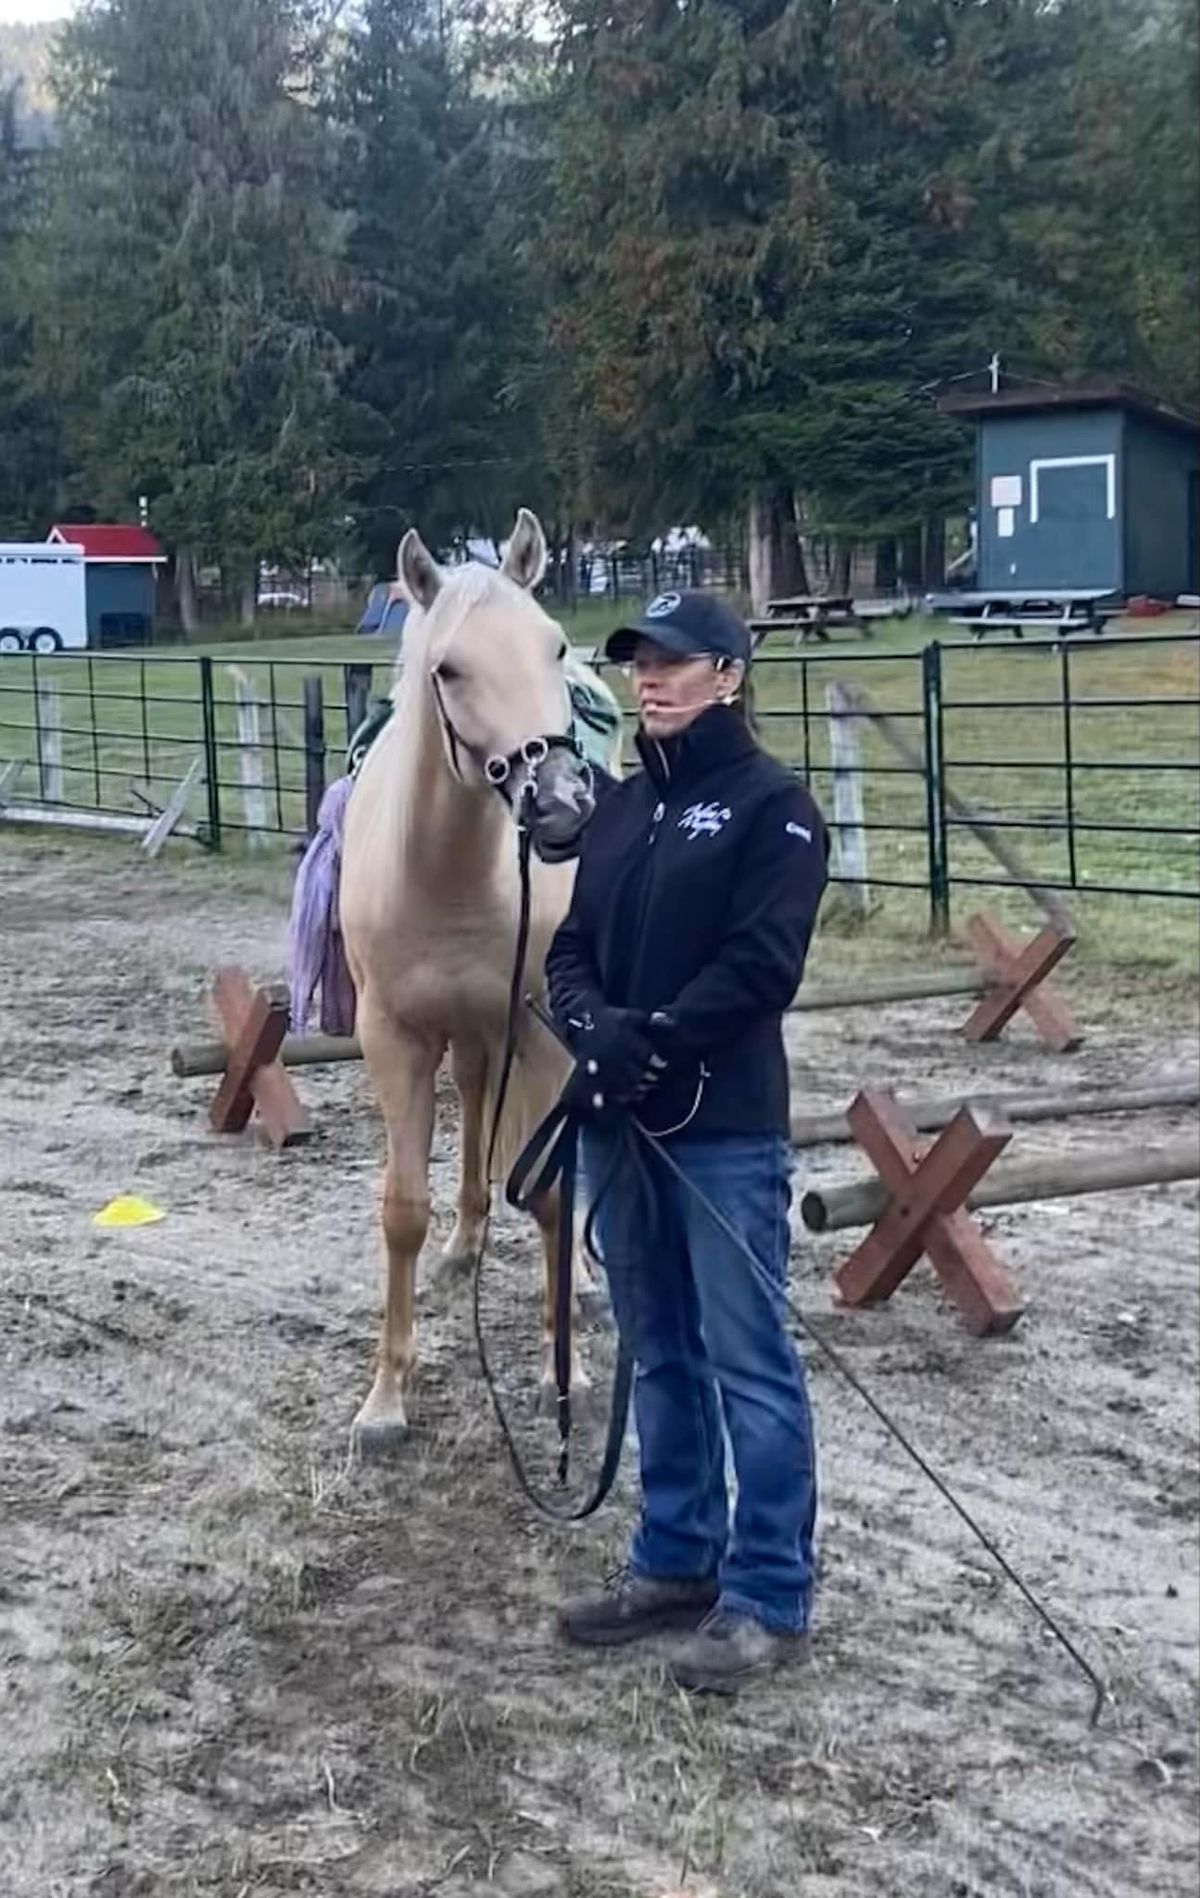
(705, 820)
(799, 830)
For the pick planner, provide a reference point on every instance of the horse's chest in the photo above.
(457, 975)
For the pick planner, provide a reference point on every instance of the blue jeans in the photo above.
(714, 1357)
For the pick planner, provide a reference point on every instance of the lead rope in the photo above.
(835, 1357)
(549, 1159)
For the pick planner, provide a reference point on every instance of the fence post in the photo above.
(212, 784)
(357, 680)
(254, 796)
(1064, 656)
(935, 790)
(49, 724)
(849, 832)
(314, 752)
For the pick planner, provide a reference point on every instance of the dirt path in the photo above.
(230, 1666)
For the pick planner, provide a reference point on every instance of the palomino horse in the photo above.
(428, 901)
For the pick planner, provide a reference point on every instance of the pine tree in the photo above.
(188, 254)
(30, 445)
(435, 315)
(766, 253)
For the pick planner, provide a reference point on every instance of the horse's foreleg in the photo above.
(403, 1067)
(548, 1213)
(468, 1062)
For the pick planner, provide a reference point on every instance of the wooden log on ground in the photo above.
(918, 987)
(1055, 1176)
(927, 1116)
(310, 1051)
(193, 1058)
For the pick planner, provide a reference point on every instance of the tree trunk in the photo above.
(842, 561)
(911, 556)
(248, 596)
(776, 564)
(887, 569)
(935, 551)
(185, 593)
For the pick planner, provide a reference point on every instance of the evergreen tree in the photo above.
(434, 315)
(30, 446)
(765, 252)
(188, 254)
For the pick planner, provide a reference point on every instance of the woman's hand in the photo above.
(615, 1062)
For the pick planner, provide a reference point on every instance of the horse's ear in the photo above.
(525, 555)
(417, 571)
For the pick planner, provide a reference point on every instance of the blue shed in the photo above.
(1091, 486)
(122, 565)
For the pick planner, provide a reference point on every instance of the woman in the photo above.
(695, 899)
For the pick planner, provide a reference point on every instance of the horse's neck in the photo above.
(454, 836)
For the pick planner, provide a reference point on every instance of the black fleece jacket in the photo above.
(697, 890)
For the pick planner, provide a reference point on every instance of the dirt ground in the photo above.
(230, 1663)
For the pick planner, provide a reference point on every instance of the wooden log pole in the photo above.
(1055, 1176)
(190, 1059)
(847, 831)
(250, 759)
(50, 755)
(918, 987)
(1048, 901)
(833, 1129)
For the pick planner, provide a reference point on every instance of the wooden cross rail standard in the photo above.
(253, 1023)
(922, 1200)
(1009, 975)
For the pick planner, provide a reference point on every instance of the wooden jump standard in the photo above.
(255, 1051)
(924, 1195)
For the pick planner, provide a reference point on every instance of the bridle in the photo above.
(499, 768)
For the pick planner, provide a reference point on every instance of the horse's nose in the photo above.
(562, 800)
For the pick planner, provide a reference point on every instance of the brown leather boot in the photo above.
(629, 1607)
(728, 1650)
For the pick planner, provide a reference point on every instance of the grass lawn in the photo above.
(136, 718)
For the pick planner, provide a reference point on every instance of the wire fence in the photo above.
(939, 768)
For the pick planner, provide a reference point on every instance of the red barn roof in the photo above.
(120, 544)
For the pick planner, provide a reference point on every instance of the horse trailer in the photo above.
(43, 597)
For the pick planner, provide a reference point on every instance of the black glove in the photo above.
(614, 1059)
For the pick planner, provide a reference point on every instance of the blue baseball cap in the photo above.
(686, 624)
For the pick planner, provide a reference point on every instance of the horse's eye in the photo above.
(446, 672)
(562, 652)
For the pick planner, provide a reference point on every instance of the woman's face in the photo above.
(672, 692)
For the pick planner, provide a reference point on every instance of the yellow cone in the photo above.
(126, 1210)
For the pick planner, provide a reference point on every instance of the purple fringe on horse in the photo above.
(317, 957)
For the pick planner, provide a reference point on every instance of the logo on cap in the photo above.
(663, 606)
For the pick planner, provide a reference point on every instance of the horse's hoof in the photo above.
(595, 1307)
(372, 1442)
(582, 1398)
(456, 1264)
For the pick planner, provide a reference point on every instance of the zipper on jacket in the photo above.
(660, 809)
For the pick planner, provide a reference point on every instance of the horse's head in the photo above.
(494, 662)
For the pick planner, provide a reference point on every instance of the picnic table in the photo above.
(1062, 610)
(809, 616)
